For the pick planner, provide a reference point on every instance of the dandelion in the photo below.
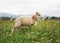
(56, 40)
(50, 40)
(37, 33)
(44, 33)
(42, 38)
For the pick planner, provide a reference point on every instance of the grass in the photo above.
(47, 31)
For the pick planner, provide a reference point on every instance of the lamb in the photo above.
(26, 21)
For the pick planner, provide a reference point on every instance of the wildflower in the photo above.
(42, 38)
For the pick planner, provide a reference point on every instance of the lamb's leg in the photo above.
(30, 26)
(15, 27)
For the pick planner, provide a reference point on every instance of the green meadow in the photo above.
(47, 31)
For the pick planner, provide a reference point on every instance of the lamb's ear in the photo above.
(34, 17)
(37, 13)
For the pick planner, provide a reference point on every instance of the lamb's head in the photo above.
(38, 16)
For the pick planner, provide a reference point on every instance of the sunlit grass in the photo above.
(47, 31)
